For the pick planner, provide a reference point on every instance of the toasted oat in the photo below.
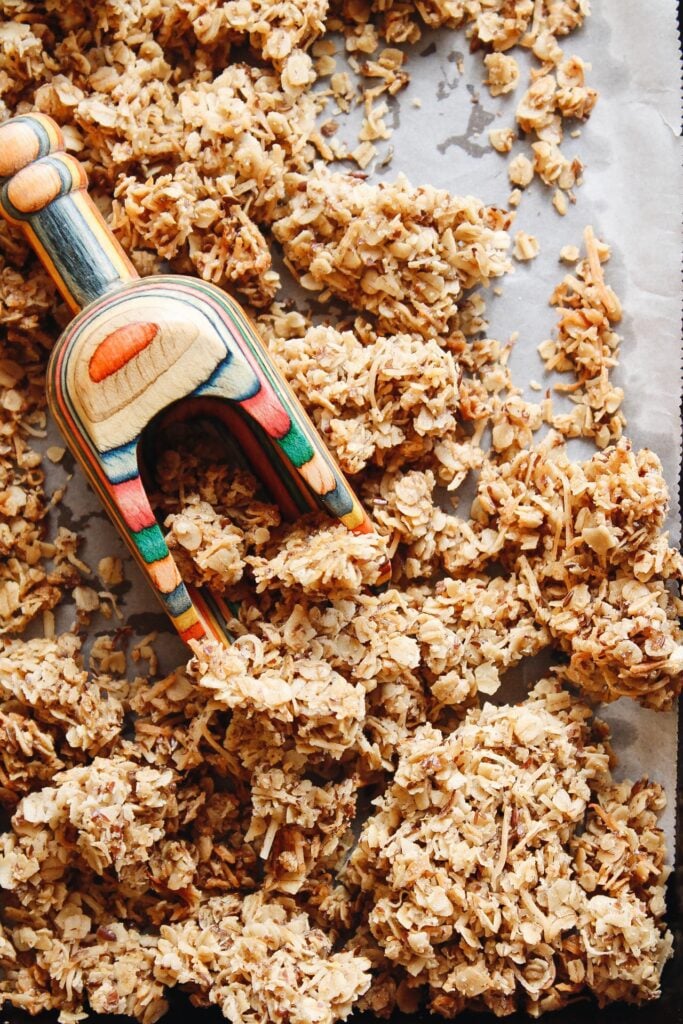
(502, 139)
(560, 202)
(110, 570)
(503, 73)
(554, 168)
(569, 253)
(521, 171)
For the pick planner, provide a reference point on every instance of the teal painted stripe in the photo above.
(296, 446)
(150, 543)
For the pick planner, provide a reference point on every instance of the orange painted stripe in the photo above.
(119, 347)
(165, 574)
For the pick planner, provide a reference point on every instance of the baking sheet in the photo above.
(631, 196)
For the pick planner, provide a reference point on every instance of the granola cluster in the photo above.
(403, 254)
(376, 402)
(503, 868)
(587, 347)
(586, 541)
(199, 831)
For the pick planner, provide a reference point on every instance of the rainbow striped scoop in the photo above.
(140, 347)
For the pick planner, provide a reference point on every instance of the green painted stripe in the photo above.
(296, 445)
(150, 543)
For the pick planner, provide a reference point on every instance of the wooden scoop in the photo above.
(140, 345)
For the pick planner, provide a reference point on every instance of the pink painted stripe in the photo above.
(131, 499)
(267, 410)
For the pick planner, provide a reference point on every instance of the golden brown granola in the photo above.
(45, 679)
(587, 346)
(401, 253)
(377, 402)
(586, 541)
(478, 872)
(320, 559)
(503, 73)
(557, 92)
(191, 831)
(526, 246)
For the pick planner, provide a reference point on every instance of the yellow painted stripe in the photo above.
(185, 620)
(355, 518)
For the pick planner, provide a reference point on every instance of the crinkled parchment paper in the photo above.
(631, 196)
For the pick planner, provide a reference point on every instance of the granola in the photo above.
(587, 347)
(195, 830)
(586, 539)
(374, 402)
(404, 254)
(478, 872)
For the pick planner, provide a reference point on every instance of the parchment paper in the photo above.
(631, 196)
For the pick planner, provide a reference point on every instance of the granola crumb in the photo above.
(588, 347)
(526, 246)
(560, 202)
(503, 73)
(521, 171)
(502, 139)
(570, 253)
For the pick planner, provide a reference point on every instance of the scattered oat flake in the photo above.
(526, 246)
(560, 202)
(521, 170)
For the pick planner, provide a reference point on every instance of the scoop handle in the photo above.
(44, 192)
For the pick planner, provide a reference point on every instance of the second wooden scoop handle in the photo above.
(44, 192)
